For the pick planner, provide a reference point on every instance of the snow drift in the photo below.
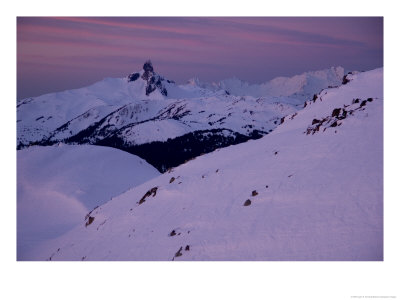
(57, 186)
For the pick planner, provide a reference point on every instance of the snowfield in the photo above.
(57, 186)
(310, 190)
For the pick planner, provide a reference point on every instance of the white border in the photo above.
(198, 280)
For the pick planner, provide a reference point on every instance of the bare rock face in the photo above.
(154, 81)
(148, 70)
(247, 202)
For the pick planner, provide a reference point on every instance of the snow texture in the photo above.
(57, 186)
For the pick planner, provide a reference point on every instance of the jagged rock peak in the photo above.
(148, 70)
(154, 81)
(148, 66)
(147, 74)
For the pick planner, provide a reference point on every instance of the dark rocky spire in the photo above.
(148, 66)
(148, 70)
(154, 81)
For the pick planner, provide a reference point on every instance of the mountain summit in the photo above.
(152, 79)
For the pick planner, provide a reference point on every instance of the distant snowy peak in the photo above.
(305, 84)
(300, 86)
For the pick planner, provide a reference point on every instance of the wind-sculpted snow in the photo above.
(287, 196)
(57, 186)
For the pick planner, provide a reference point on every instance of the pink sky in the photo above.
(55, 54)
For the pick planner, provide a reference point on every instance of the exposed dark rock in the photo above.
(133, 77)
(363, 103)
(247, 202)
(148, 66)
(172, 180)
(370, 99)
(89, 221)
(151, 192)
(336, 112)
(179, 253)
(187, 248)
(149, 89)
(315, 121)
(254, 193)
(172, 233)
(355, 101)
(343, 115)
(345, 80)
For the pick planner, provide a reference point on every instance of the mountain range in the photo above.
(165, 123)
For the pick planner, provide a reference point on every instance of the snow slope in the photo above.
(57, 186)
(310, 190)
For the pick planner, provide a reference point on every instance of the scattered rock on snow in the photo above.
(345, 79)
(315, 121)
(89, 221)
(179, 253)
(336, 112)
(247, 202)
(152, 191)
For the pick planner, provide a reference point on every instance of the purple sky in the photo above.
(55, 54)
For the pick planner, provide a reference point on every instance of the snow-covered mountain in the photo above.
(310, 190)
(58, 185)
(162, 122)
(302, 86)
